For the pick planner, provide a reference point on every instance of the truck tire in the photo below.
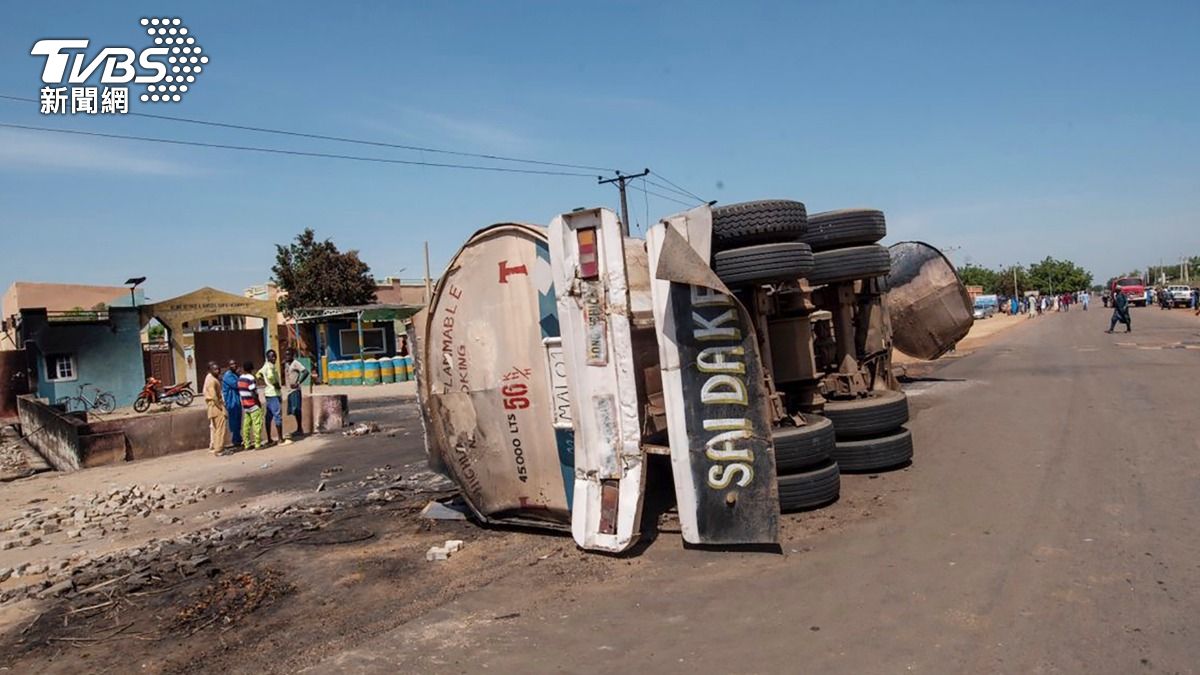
(798, 448)
(880, 413)
(761, 222)
(811, 489)
(763, 263)
(846, 227)
(875, 454)
(850, 264)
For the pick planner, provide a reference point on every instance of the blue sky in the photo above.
(1009, 130)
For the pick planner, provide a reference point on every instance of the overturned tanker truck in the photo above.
(749, 343)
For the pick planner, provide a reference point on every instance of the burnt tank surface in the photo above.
(929, 305)
(497, 416)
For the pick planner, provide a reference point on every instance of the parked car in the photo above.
(983, 311)
(1181, 296)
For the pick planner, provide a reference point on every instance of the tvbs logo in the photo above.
(169, 68)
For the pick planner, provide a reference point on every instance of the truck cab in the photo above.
(1133, 288)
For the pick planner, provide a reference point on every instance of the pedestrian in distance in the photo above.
(233, 402)
(1084, 299)
(214, 401)
(252, 412)
(1120, 312)
(297, 374)
(269, 376)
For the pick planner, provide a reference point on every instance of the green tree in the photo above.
(1058, 276)
(1004, 281)
(316, 274)
(974, 275)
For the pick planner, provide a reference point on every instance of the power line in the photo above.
(297, 153)
(689, 193)
(342, 139)
(668, 189)
(659, 195)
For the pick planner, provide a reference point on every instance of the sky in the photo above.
(1000, 132)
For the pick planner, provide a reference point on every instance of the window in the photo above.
(373, 339)
(60, 367)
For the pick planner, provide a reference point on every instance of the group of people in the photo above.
(243, 401)
(1037, 305)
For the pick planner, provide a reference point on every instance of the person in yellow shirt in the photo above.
(269, 376)
(215, 402)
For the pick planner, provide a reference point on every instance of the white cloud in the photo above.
(43, 150)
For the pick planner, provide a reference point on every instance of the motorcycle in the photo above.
(179, 394)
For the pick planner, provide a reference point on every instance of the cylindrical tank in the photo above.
(336, 373)
(370, 371)
(354, 372)
(929, 306)
(398, 367)
(409, 372)
(387, 369)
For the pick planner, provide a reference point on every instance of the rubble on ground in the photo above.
(161, 562)
(17, 458)
(443, 552)
(98, 515)
(362, 429)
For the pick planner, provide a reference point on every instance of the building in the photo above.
(98, 349)
(59, 298)
(208, 325)
(335, 337)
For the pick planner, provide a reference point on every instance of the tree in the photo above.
(1004, 281)
(316, 274)
(974, 275)
(1058, 276)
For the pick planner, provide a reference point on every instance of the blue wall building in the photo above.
(102, 348)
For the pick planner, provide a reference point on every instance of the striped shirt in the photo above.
(248, 390)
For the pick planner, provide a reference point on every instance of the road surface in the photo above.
(1048, 524)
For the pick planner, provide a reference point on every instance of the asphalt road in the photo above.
(1048, 524)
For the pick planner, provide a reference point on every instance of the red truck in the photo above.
(1133, 288)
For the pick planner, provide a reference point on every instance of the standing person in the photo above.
(296, 376)
(233, 402)
(214, 401)
(252, 412)
(269, 374)
(1120, 312)
(1085, 298)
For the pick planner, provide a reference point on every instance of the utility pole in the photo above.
(620, 180)
(428, 282)
(1016, 290)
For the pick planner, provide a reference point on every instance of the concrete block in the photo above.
(453, 545)
(436, 553)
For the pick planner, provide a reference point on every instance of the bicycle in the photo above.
(103, 401)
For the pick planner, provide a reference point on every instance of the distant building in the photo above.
(66, 349)
(391, 291)
(59, 298)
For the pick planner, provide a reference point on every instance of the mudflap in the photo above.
(591, 280)
(489, 380)
(928, 304)
(718, 413)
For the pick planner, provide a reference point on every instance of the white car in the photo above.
(1181, 296)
